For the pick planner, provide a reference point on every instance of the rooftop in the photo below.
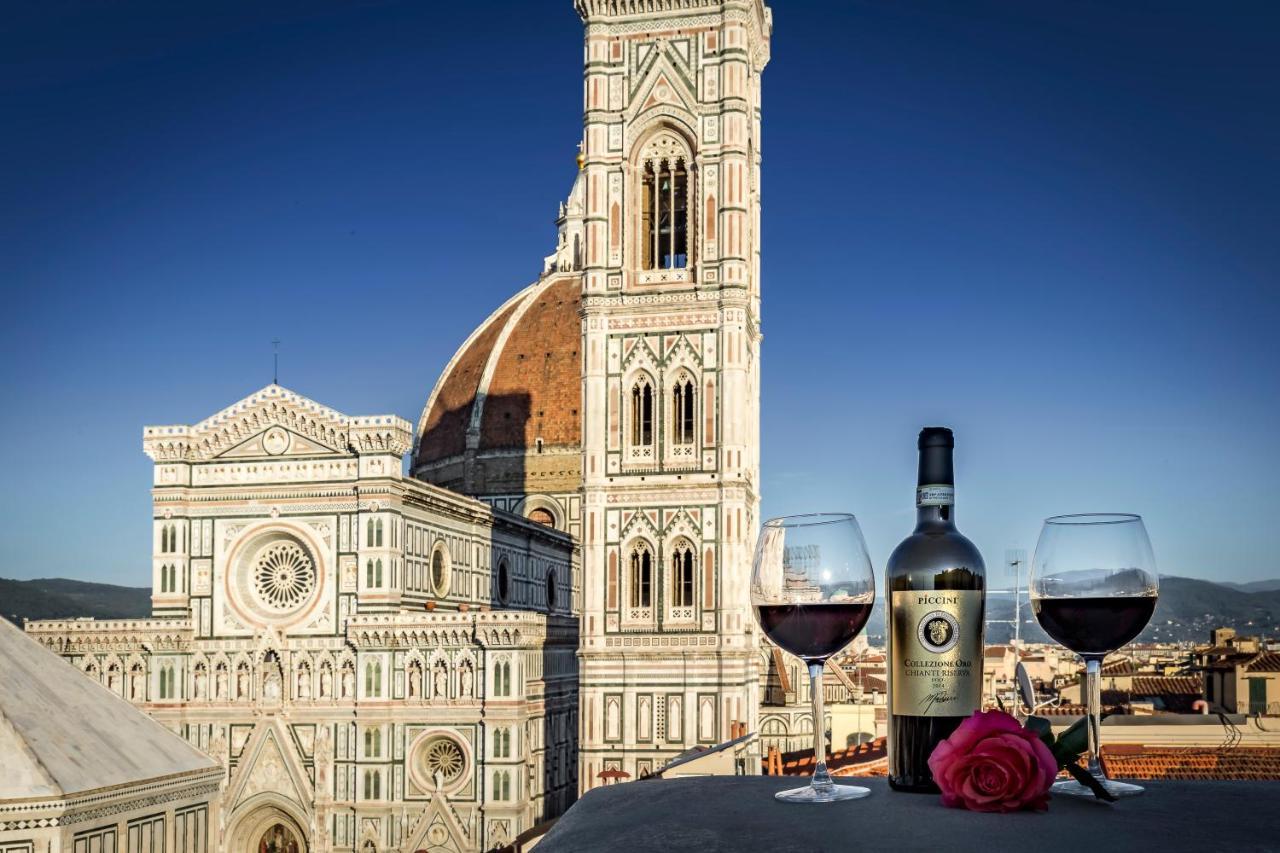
(62, 733)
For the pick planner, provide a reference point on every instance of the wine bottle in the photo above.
(935, 586)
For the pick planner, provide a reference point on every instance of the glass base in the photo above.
(826, 794)
(1072, 788)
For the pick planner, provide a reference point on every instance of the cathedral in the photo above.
(559, 586)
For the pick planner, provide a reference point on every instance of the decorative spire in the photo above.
(581, 158)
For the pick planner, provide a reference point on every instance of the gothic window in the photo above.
(682, 411)
(368, 534)
(641, 576)
(664, 215)
(502, 678)
(372, 785)
(377, 574)
(373, 742)
(373, 679)
(682, 576)
(368, 579)
(378, 532)
(642, 413)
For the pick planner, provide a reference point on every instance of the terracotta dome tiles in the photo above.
(525, 366)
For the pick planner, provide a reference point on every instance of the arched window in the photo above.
(642, 413)
(372, 785)
(641, 576)
(664, 200)
(378, 531)
(377, 575)
(506, 786)
(682, 406)
(373, 679)
(373, 742)
(551, 590)
(542, 515)
(368, 534)
(682, 576)
(368, 579)
(502, 679)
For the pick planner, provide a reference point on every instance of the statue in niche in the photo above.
(464, 678)
(113, 674)
(304, 683)
(242, 682)
(271, 685)
(326, 682)
(348, 682)
(440, 685)
(415, 681)
(220, 682)
(201, 682)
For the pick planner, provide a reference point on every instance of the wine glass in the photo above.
(1093, 589)
(812, 588)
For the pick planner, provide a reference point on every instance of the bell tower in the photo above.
(671, 393)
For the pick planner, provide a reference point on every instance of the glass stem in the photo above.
(821, 778)
(1092, 686)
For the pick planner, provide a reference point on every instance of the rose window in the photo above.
(441, 755)
(283, 575)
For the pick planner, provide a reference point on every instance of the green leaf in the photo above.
(1084, 777)
(1072, 743)
(1042, 728)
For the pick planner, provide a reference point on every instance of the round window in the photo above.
(504, 582)
(440, 571)
(283, 575)
(438, 760)
(542, 516)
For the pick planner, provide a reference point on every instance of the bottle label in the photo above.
(937, 652)
(935, 495)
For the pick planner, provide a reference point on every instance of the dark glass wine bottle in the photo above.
(935, 586)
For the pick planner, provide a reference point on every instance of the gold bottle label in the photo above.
(937, 652)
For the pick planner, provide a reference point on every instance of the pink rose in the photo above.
(992, 764)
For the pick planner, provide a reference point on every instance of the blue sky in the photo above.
(1051, 226)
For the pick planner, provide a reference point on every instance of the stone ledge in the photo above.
(738, 814)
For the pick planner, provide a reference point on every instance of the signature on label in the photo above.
(936, 698)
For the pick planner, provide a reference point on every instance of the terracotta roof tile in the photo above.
(858, 760)
(1134, 761)
(1264, 662)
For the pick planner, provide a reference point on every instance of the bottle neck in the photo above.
(935, 490)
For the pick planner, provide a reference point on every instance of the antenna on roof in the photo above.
(275, 361)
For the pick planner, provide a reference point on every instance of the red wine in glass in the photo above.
(1094, 626)
(813, 632)
(812, 586)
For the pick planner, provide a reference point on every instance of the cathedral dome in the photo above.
(505, 416)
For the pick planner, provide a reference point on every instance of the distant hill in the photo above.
(59, 598)
(1187, 610)
(1256, 586)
